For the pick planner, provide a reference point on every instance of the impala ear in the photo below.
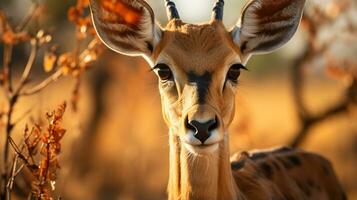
(266, 25)
(126, 26)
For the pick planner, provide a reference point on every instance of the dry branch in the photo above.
(313, 24)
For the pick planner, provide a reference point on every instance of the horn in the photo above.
(217, 13)
(171, 10)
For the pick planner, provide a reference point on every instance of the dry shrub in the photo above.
(39, 153)
(40, 148)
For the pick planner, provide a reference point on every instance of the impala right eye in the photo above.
(163, 71)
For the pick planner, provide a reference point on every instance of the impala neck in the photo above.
(197, 177)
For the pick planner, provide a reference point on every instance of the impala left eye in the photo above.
(234, 72)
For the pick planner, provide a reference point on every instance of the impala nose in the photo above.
(202, 130)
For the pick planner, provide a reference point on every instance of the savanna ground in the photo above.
(116, 143)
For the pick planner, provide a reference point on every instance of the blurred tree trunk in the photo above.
(86, 143)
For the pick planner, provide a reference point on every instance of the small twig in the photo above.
(11, 179)
(14, 146)
(19, 170)
(30, 153)
(38, 88)
(6, 63)
(14, 173)
(18, 152)
(28, 67)
(28, 17)
(30, 62)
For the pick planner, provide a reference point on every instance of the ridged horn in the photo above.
(217, 13)
(171, 10)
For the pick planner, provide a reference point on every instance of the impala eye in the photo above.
(234, 72)
(163, 71)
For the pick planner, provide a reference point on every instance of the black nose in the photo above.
(202, 130)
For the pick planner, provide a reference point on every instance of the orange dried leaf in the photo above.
(58, 133)
(74, 14)
(49, 61)
(60, 111)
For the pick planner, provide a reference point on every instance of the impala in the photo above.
(198, 67)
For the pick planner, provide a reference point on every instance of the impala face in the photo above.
(198, 65)
(198, 69)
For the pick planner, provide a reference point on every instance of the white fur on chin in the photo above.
(201, 150)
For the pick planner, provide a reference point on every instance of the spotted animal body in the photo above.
(285, 174)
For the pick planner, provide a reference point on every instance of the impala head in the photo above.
(198, 66)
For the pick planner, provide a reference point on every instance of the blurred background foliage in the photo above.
(116, 142)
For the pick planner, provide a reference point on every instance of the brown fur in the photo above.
(293, 174)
